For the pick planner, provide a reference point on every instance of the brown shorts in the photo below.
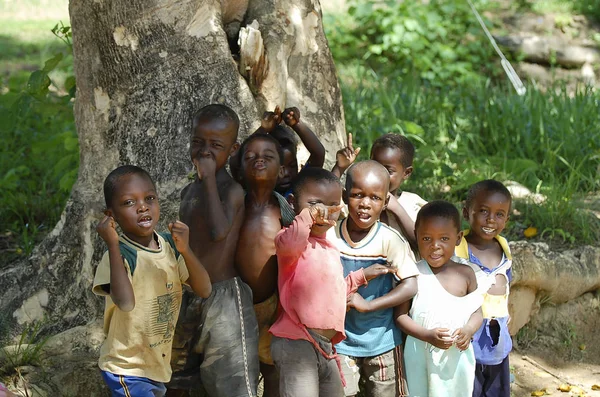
(383, 374)
(266, 314)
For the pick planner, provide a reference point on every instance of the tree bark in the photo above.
(143, 67)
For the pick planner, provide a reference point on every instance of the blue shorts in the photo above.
(133, 386)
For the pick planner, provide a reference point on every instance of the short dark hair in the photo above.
(399, 142)
(313, 175)
(439, 209)
(216, 111)
(265, 137)
(489, 186)
(286, 138)
(112, 180)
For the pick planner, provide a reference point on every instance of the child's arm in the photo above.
(438, 337)
(403, 292)
(407, 224)
(292, 241)
(269, 121)
(121, 290)
(291, 116)
(221, 216)
(345, 157)
(363, 276)
(198, 278)
(463, 335)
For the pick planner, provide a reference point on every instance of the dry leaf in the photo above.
(538, 393)
(564, 387)
(595, 387)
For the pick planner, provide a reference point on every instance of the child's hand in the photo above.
(440, 338)
(271, 119)
(206, 166)
(181, 236)
(374, 271)
(325, 215)
(107, 229)
(346, 156)
(357, 302)
(291, 116)
(462, 337)
(393, 204)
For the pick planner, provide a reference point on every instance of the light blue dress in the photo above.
(431, 371)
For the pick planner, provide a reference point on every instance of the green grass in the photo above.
(39, 158)
(547, 141)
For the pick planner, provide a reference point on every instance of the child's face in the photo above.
(488, 214)
(290, 171)
(260, 161)
(367, 198)
(437, 238)
(391, 159)
(324, 192)
(215, 139)
(135, 207)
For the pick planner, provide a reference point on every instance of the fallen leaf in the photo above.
(595, 387)
(530, 232)
(582, 347)
(564, 387)
(538, 393)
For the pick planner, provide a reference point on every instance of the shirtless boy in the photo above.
(266, 212)
(216, 338)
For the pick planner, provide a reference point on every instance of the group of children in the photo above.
(292, 275)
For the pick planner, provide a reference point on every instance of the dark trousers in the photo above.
(492, 380)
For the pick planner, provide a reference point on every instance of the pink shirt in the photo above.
(312, 288)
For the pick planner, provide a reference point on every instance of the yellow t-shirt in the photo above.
(138, 343)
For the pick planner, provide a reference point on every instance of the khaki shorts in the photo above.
(266, 314)
(383, 374)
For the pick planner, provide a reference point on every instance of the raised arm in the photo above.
(438, 337)
(345, 157)
(221, 215)
(291, 116)
(292, 240)
(198, 277)
(120, 289)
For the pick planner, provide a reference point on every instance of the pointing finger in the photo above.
(350, 141)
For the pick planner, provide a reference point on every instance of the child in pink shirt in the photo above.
(312, 290)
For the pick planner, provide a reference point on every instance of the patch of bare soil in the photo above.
(561, 346)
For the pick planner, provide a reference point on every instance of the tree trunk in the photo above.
(143, 67)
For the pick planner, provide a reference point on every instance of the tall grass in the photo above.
(548, 141)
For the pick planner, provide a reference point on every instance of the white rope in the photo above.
(508, 69)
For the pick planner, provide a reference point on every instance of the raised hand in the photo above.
(440, 338)
(346, 156)
(376, 270)
(107, 229)
(462, 337)
(181, 236)
(271, 119)
(325, 215)
(206, 166)
(291, 116)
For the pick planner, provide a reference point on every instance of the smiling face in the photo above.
(487, 214)
(391, 159)
(437, 237)
(214, 138)
(134, 206)
(318, 192)
(260, 162)
(366, 197)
